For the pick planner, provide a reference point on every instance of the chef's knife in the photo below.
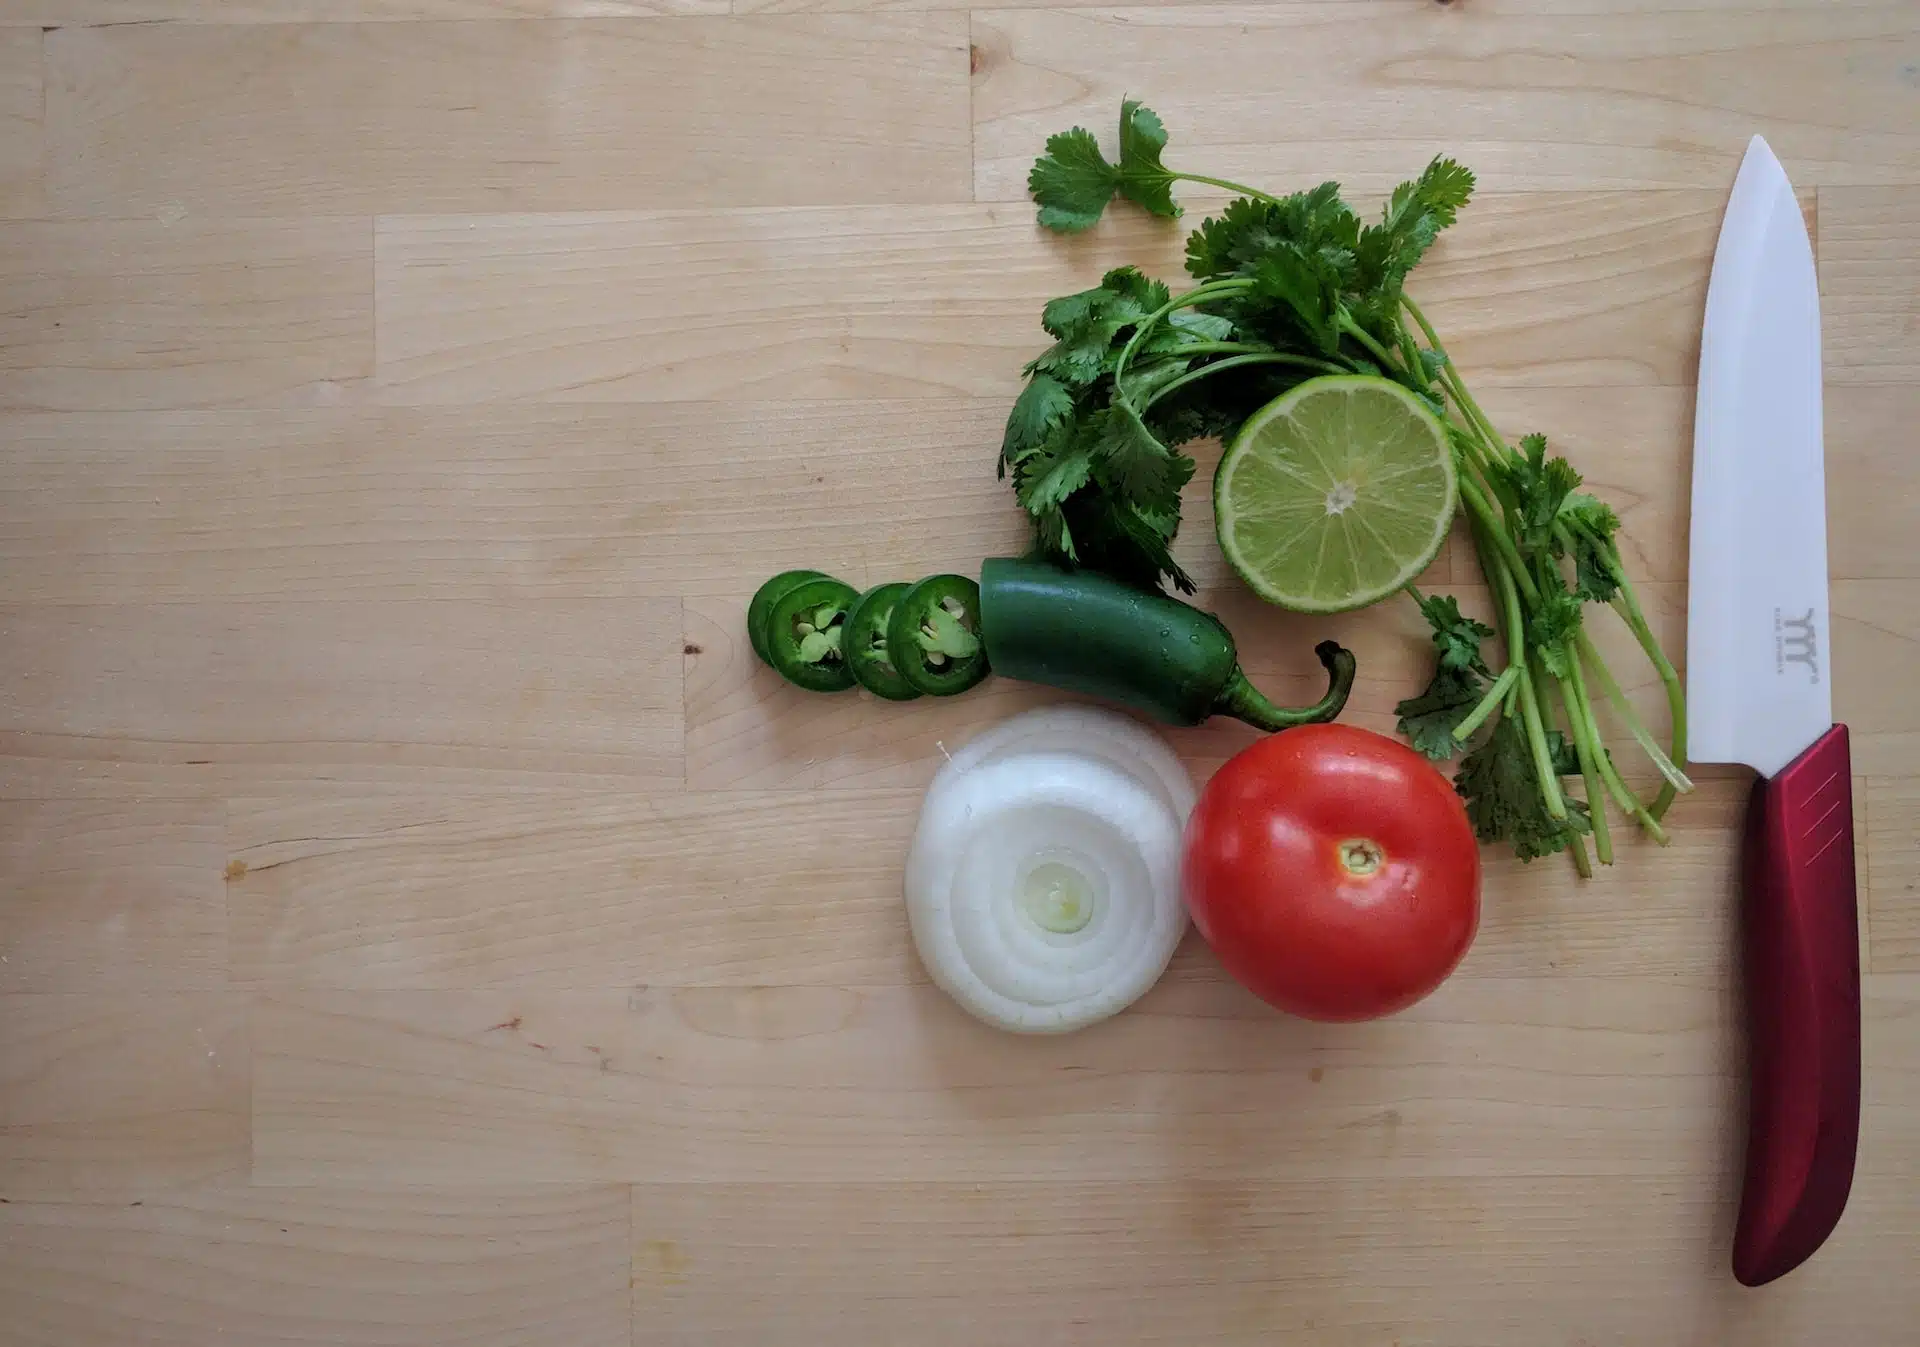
(1759, 692)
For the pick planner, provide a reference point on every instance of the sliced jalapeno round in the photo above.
(804, 631)
(760, 611)
(933, 637)
(863, 643)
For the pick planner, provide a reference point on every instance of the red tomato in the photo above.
(1334, 872)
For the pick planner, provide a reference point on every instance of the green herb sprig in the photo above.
(1288, 288)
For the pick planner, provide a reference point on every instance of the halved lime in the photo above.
(1335, 494)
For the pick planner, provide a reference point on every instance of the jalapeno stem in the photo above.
(1243, 701)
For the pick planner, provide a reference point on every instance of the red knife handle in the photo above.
(1802, 949)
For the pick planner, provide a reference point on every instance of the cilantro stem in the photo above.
(1485, 707)
(1200, 294)
(1366, 339)
(1502, 540)
(1433, 338)
(1483, 457)
(1474, 446)
(1621, 791)
(1577, 846)
(1533, 714)
(1463, 398)
(1530, 716)
(1516, 639)
(1496, 447)
(1204, 348)
(1585, 746)
(1238, 188)
(1410, 354)
(1491, 453)
(1473, 454)
(1627, 604)
(1469, 408)
(1641, 734)
(1238, 362)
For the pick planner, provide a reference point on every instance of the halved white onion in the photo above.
(1043, 886)
(1090, 731)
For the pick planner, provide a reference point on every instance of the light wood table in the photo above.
(420, 922)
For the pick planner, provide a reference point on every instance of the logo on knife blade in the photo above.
(1793, 643)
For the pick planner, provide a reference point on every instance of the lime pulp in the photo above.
(1335, 494)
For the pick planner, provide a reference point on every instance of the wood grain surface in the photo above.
(421, 919)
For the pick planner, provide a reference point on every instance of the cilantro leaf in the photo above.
(1429, 720)
(1100, 485)
(1053, 536)
(1592, 524)
(1497, 782)
(1456, 637)
(1043, 404)
(1132, 293)
(1069, 315)
(1551, 627)
(1072, 182)
(1077, 362)
(1593, 571)
(1049, 477)
(1248, 229)
(1159, 357)
(1118, 539)
(1134, 463)
(1188, 325)
(1160, 519)
(1415, 214)
(1459, 678)
(1177, 419)
(1540, 487)
(1320, 216)
(1384, 253)
(1502, 795)
(1590, 513)
(1104, 492)
(1307, 284)
(1144, 378)
(1444, 188)
(1222, 244)
(1578, 823)
(1562, 754)
(1143, 548)
(1143, 180)
(1300, 251)
(1088, 326)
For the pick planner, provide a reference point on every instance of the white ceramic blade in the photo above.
(1758, 688)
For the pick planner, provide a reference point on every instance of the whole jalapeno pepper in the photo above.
(1086, 632)
(863, 642)
(761, 609)
(803, 634)
(933, 637)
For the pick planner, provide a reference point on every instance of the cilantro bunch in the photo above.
(1286, 289)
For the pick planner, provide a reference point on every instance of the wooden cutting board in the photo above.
(420, 920)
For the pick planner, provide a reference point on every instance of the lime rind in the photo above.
(1335, 494)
